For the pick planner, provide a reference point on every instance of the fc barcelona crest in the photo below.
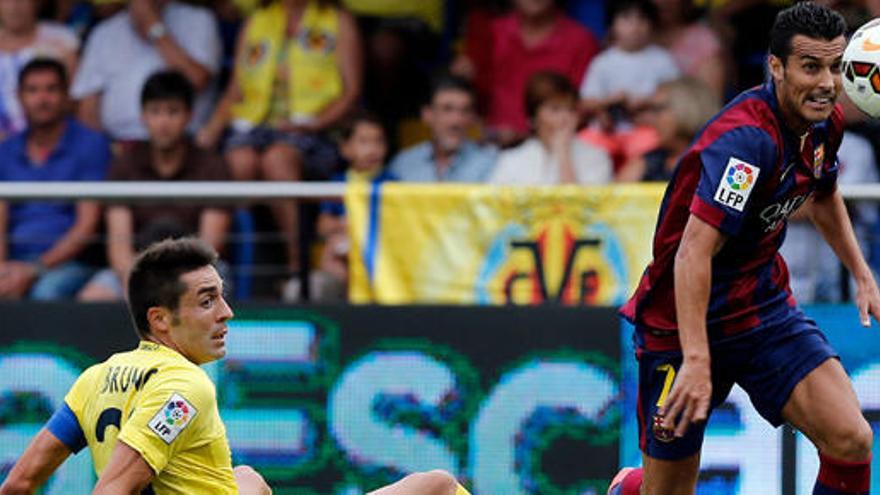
(662, 433)
(818, 160)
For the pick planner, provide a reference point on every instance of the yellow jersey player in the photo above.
(149, 416)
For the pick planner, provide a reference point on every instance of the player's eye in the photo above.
(208, 302)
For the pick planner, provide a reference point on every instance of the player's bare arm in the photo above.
(688, 401)
(829, 216)
(41, 458)
(126, 473)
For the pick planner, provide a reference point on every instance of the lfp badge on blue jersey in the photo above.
(818, 160)
(736, 184)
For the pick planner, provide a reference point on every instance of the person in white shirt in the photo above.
(625, 75)
(126, 49)
(552, 155)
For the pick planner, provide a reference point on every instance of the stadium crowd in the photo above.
(532, 92)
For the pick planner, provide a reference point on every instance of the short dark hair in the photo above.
(360, 117)
(450, 82)
(155, 276)
(168, 85)
(647, 9)
(40, 64)
(544, 86)
(806, 18)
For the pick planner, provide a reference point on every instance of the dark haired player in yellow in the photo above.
(149, 416)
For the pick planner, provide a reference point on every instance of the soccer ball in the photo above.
(861, 68)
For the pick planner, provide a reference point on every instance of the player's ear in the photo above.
(774, 64)
(159, 319)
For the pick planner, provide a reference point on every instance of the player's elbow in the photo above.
(436, 482)
(249, 480)
(686, 255)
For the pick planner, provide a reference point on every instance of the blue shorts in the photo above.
(320, 152)
(766, 363)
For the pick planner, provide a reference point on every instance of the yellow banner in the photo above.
(489, 245)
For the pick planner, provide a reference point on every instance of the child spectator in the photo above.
(364, 147)
(553, 155)
(622, 78)
(694, 45)
(169, 155)
(22, 39)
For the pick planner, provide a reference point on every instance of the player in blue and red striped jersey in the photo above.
(714, 307)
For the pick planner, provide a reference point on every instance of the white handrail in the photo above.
(130, 191)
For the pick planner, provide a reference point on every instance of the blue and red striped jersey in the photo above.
(744, 174)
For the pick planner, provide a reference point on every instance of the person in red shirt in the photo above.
(500, 55)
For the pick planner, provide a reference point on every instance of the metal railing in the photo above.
(233, 192)
(133, 191)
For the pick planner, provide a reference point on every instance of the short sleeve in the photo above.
(668, 68)
(201, 40)
(91, 76)
(591, 87)
(732, 169)
(173, 416)
(79, 393)
(97, 157)
(66, 428)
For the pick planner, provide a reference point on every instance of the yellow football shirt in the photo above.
(163, 406)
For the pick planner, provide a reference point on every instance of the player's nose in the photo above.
(826, 79)
(225, 310)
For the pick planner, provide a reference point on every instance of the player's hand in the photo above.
(868, 301)
(16, 278)
(688, 401)
(562, 131)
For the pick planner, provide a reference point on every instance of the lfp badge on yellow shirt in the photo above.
(474, 244)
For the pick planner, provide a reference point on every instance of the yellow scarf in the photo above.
(313, 81)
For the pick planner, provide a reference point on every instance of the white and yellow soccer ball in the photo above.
(861, 68)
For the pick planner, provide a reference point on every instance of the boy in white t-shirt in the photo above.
(621, 79)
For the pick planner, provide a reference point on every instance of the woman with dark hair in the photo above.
(297, 72)
(552, 155)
